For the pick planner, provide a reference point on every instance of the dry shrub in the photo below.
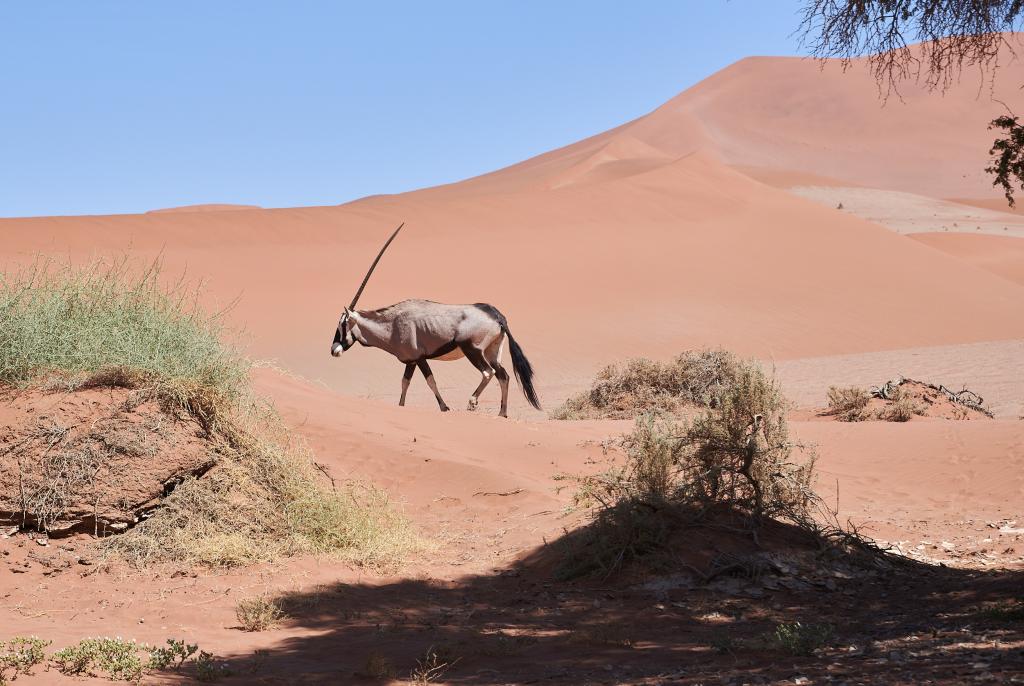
(900, 399)
(848, 404)
(902, 407)
(263, 499)
(378, 666)
(736, 457)
(258, 614)
(693, 378)
(435, 662)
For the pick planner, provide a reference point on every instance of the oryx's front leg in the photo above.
(429, 375)
(410, 369)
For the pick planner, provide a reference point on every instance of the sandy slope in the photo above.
(1002, 256)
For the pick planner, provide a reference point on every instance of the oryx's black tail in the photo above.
(520, 365)
(523, 369)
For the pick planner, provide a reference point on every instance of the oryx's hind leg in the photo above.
(429, 375)
(492, 355)
(477, 358)
(410, 369)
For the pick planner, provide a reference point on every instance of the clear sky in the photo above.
(113, 107)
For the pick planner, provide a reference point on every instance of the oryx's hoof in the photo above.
(473, 402)
(444, 408)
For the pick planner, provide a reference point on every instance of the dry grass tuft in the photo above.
(258, 614)
(378, 666)
(902, 408)
(848, 404)
(263, 499)
(430, 667)
(694, 378)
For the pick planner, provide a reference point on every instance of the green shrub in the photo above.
(800, 639)
(19, 655)
(693, 378)
(117, 658)
(174, 655)
(109, 324)
(209, 670)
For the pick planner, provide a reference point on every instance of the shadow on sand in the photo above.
(906, 622)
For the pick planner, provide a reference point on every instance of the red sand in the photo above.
(999, 255)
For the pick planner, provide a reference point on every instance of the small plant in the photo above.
(902, 408)
(19, 655)
(258, 614)
(432, 665)
(378, 666)
(724, 644)
(848, 404)
(1014, 612)
(502, 644)
(208, 670)
(606, 634)
(800, 639)
(116, 657)
(174, 655)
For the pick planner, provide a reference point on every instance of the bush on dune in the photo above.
(848, 404)
(104, 324)
(735, 458)
(622, 391)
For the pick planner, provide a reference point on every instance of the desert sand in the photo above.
(677, 230)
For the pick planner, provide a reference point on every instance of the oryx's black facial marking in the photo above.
(343, 340)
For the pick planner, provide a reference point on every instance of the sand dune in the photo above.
(625, 256)
(210, 207)
(999, 255)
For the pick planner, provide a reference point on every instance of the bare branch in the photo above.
(953, 35)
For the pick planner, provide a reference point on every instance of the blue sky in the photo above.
(113, 107)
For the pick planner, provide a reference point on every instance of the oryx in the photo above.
(415, 331)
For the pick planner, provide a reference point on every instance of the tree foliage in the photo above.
(951, 35)
(1008, 155)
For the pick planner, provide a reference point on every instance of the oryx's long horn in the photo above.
(373, 266)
